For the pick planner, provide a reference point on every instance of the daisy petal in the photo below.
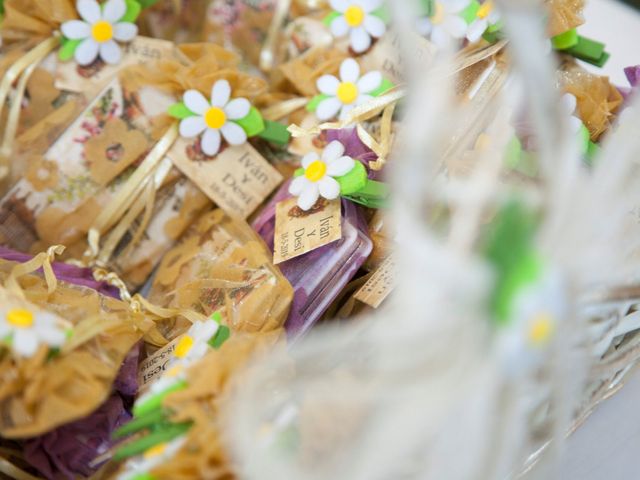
(220, 93)
(298, 185)
(110, 52)
(76, 29)
(332, 152)
(349, 70)
(329, 188)
(339, 5)
(309, 196)
(456, 26)
(233, 133)
(576, 124)
(424, 26)
(86, 52)
(237, 108)
(308, 159)
(210, 142)
(114, 10)
(125, 31)
(569, 102)
(89, 10)
(328, 108)
(476, 29)
(25, 342)
(196, 102)
(345, 111)
(360, 40)
(439, 37)
(339, 27)
(455, 6)
(369, 82)
(369, 5)
(364, 98)
(192, 126)
(4, 329)
(374, 25)
(328, 84)
(52, 336)
(340, 166)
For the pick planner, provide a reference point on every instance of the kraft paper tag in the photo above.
(238, 179)
(154, 365)
(299, 232)
(72, 77)
(379, 286)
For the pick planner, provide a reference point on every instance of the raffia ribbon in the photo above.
(42, 260)
(384, 103)
(127, 197)
(267, 54)
(22, 70)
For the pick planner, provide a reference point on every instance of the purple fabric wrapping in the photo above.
(354, 148)
(65, 272)
(633, 75)
(67, 451)
(319, 276)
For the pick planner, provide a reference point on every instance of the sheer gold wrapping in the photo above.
(564, 15)
(303, 72)
(25, 20)
(222, 264)
(38, 395)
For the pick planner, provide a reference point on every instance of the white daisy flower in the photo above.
(348, 92)
(99, 29)
(536, 315)
(151, 458)
(318, 178)
(193, 345)
(487, 16)
(357, 21)
(570, 106)
(215, 117)
(27, 330)
(446, 22)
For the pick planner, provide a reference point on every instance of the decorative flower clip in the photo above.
(446, 21)
(528, 299)
(487, 21)
(344, 94)
(360, 19)
(98, 33)
(233, 119)
(191, 347)
(332, 175)
(139, 468)
(25, 330)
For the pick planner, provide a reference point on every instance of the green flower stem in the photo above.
(140, 446)
(275, 132)
(141, 422)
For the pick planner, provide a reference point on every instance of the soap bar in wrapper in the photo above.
(222, 265)
(318, 276)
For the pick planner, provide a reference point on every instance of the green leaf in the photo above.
(151, 418)
(155, 401)
(383, 13)
(180, 111)
(275, 132)
(354, 180)
(590, 51)
(385, 86)
(132, 12)
(315, 101)
(565, 40)
(253, 123)
(513, 152)
(147, 3)
(330, 18)
(469, 13)
(299, 172)
(68, 48)
(425, 8)
(584, 139)
(220, 337)
(140, 446)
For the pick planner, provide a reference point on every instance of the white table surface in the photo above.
(607, 446)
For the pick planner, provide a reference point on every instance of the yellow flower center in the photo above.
(20, 318)
(354, 15)
(316, 171)
(347, 92)
(485, 9)
(102, 31)
(215, 117)
(174, 371)
(438, 16)
(541, 329)
(184, 346)
(155, 450)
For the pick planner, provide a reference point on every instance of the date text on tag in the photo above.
(379, 285)
(298, 232)
(238, 179)
(154, 365)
